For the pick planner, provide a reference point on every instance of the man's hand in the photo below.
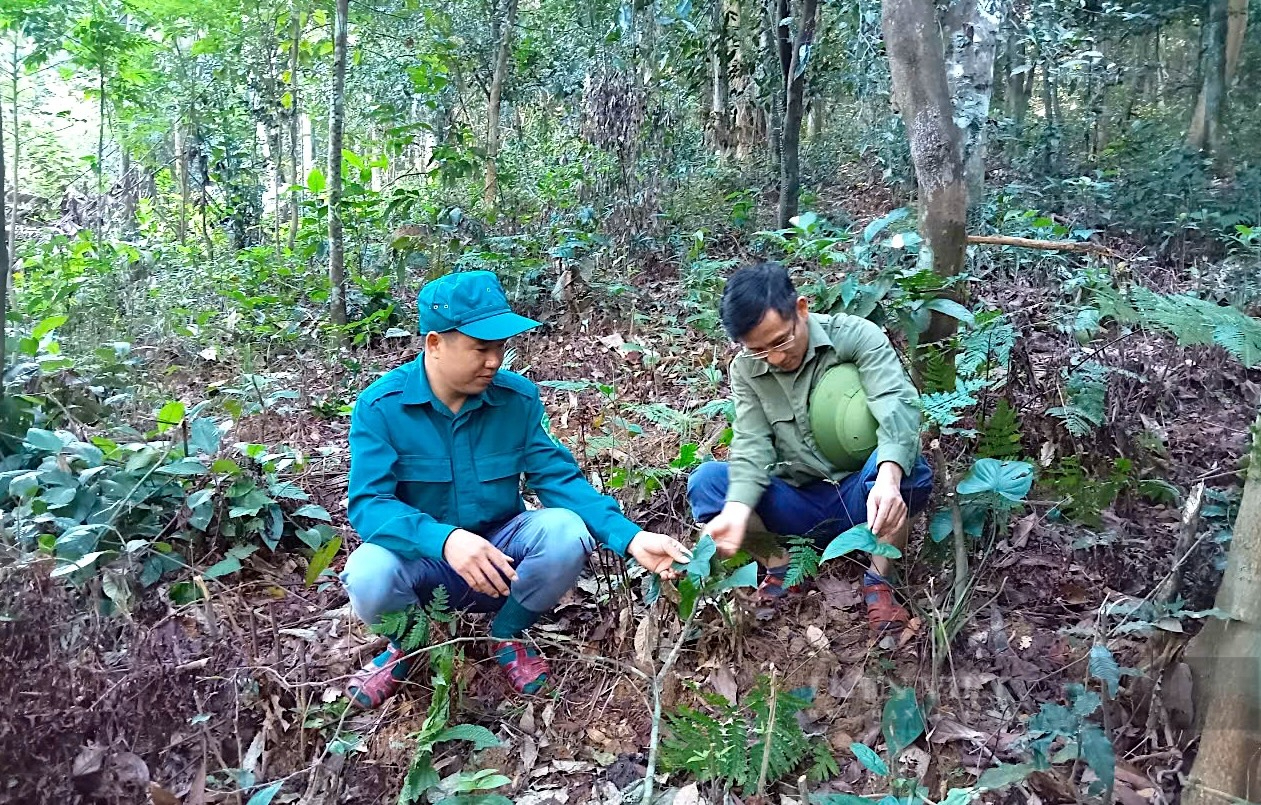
(658, 552)
(487, 569)
(886, 510)
(728, 527)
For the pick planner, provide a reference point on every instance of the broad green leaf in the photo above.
(264, 796)
(288, 491)
(223, 567)
(44, 440)
(840, 799)
(652, 589)
(858, 538)
(868, 757)
(699, 567)
(959, 796)
(48, 325)
(481, 737)
(903, 721)
(87, 560)
(204, 437)
(1098, 753)
(322, 559)
(185, 466)
(743, 577)
(315, 181)
(314, 512)
(1004, 775)
(1103, 666)
(199, 497)
(171, 415)
(184, 593)
(1084, 702)
(941, 527)
(1008, 479)
(689, 591)
(953, 309)
(24, 485)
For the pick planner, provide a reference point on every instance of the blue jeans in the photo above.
(819, 510)
(549, 548)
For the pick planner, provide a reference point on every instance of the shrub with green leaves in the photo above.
(729, 742)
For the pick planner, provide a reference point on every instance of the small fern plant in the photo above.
(728, 742)
(410, 628)
(803, 561)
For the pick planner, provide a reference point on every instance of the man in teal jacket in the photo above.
(438, 448)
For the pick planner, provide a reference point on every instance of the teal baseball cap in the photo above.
(472, 302)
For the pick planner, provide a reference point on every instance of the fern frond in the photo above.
(1087, 389)
(803, 561)
(438, 609)
(1000, 433)
(663, 416)
(985, 347)
(947, 407)
(1192, 321)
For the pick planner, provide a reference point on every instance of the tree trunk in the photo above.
(503, 34)
(1226, 657)
(1236, 27)
(719, 123)
(921, 94)
(336, 128)
(299, 177)
(972, 30)
(779, 46)
(15, 168)
(794, 107)
(1201, 132)
(1204, 133)
(4, 265)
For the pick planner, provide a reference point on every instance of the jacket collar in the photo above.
(417, 391)
(819, 339)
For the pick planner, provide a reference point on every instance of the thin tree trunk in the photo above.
(4, 267)
(298, 176)
(17, 165)
(181, 168)
(1226, 658)
(921, 94)
(1204, 133)
(972, 30)
(100, 159)
(1236, 27)
(503, 31)
(795, 93)
(719, 123)
(780, 47)
(336, 127)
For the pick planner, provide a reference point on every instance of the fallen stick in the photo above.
(1044, 245)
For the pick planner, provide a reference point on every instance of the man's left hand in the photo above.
(658, 553)
(886, 510)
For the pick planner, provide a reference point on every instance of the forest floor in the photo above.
(158, 703)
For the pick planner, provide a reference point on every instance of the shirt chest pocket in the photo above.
(499, 477)
(784, 431)
(424, 482)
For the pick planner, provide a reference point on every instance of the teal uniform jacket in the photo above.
(418, 472)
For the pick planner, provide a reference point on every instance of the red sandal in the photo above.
(379, 679)
(884, 613)
(527, 672)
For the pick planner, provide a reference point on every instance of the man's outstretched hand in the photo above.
(658, 553)
(728, 528)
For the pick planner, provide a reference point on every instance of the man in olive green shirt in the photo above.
(775, 469)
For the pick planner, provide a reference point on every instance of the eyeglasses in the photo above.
(780, 347)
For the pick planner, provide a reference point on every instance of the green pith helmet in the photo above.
(840, 420)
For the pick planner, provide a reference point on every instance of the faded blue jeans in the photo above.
(820, 510)
(549, 548)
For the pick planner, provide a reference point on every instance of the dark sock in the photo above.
(512, 620)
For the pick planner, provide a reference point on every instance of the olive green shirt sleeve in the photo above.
(752, 450)
(890, 395)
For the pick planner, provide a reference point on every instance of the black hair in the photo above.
(751, 292)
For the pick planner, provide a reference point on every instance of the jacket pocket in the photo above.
(498, 466)
(422, 469)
